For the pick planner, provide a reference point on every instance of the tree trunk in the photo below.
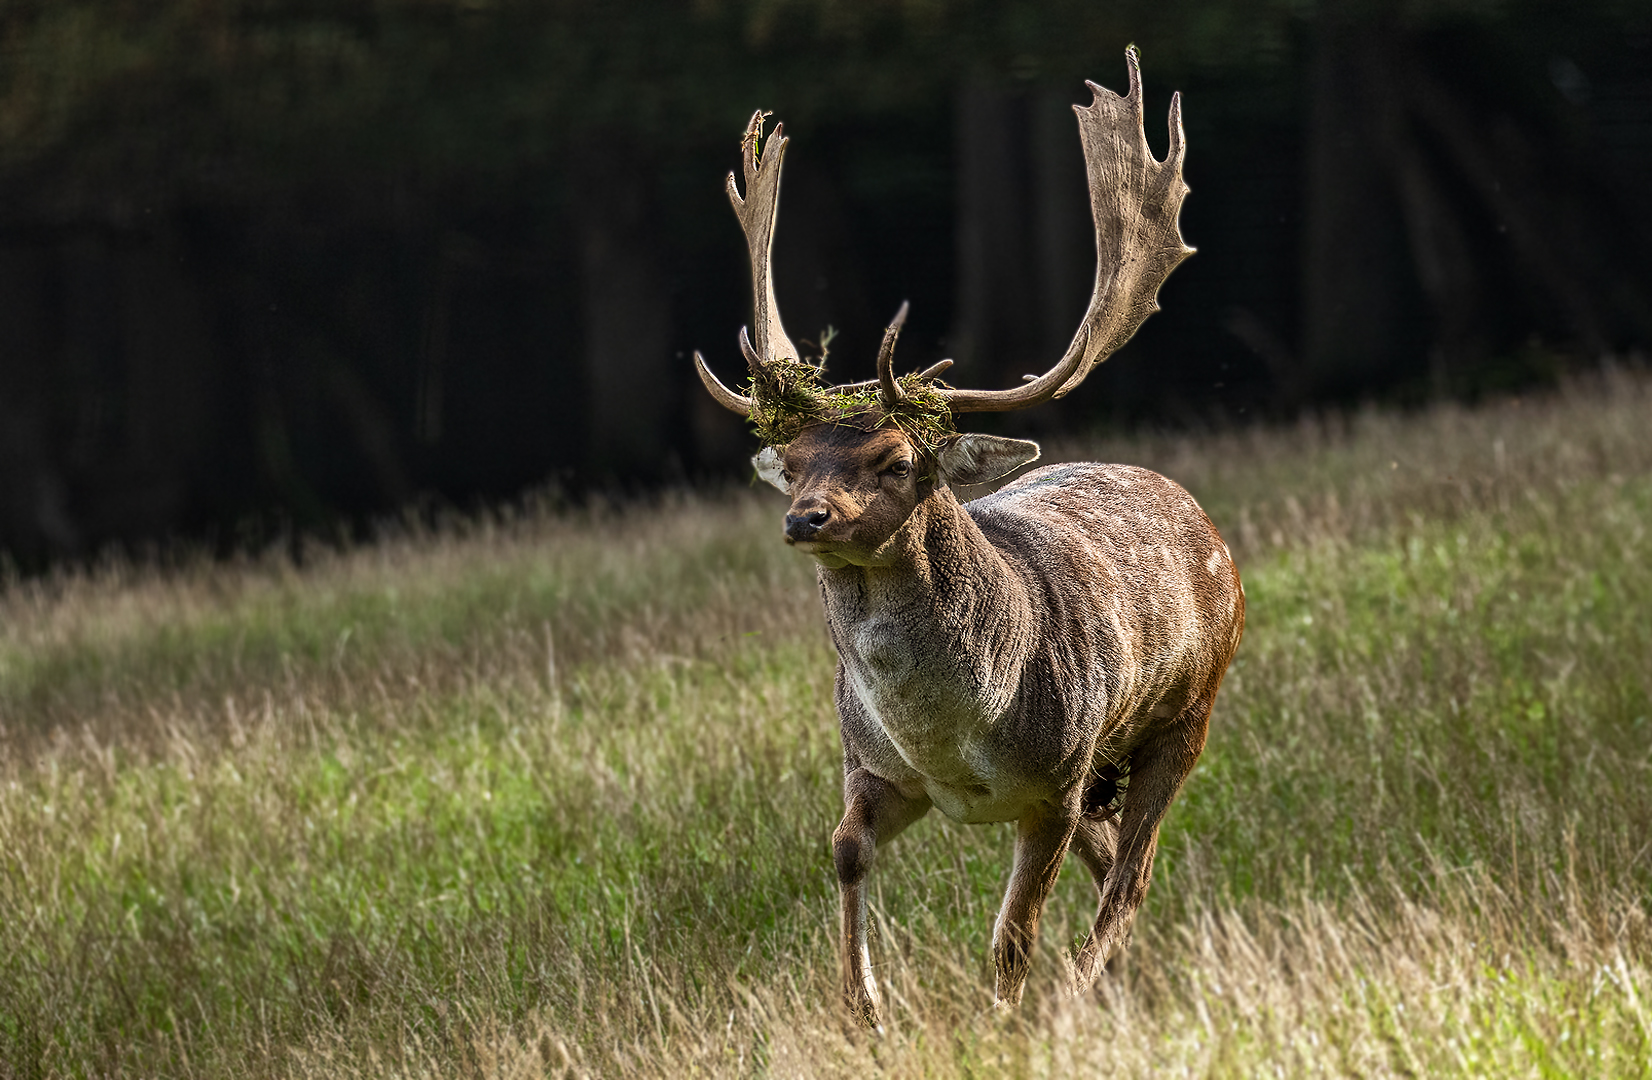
(631, 387)
(1026, 245)
(993, 334)
(1356, 322)
(34, 512)
(1063, 233)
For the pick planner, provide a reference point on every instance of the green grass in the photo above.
(551, 794)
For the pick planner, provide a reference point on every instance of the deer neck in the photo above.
(943, 606)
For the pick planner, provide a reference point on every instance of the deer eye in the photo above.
(901, 468)
(786, 476)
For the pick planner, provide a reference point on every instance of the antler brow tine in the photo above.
(725, 397)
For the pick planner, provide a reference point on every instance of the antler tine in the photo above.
(756, 212)
(933, 371)
(753, 361)
(1135, 201)
(890, 393)
(725, 397)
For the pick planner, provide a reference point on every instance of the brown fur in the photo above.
(1004, 658)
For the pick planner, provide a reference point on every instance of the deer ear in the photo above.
(976, 459)
(769, 467)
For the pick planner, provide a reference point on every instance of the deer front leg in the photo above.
(874, 811)
(1040, 845)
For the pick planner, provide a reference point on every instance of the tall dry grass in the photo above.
(551, 793)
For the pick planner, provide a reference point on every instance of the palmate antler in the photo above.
(1135, 200)
(756, 212)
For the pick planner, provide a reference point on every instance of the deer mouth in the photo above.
(822, 551)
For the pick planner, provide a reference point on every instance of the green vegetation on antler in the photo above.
(787, 396)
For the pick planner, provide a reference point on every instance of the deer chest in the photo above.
(932, 702)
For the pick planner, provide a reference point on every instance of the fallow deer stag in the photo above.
(1047, 655)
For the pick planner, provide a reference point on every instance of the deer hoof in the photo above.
(864, 1007)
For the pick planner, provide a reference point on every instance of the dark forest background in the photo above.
(300, 262)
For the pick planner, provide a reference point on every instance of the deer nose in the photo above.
(804, 526)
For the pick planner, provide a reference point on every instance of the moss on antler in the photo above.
(787, 396)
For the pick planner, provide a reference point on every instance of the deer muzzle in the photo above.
(806, 525)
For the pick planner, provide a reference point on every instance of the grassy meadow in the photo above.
(550, 793)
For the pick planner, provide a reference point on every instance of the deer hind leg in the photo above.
(1157, 768)
(1040, 846)
(1096, 844)
(874, 811)
(1096, 837)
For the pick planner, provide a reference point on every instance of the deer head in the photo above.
(859, 458)
(855, 485)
